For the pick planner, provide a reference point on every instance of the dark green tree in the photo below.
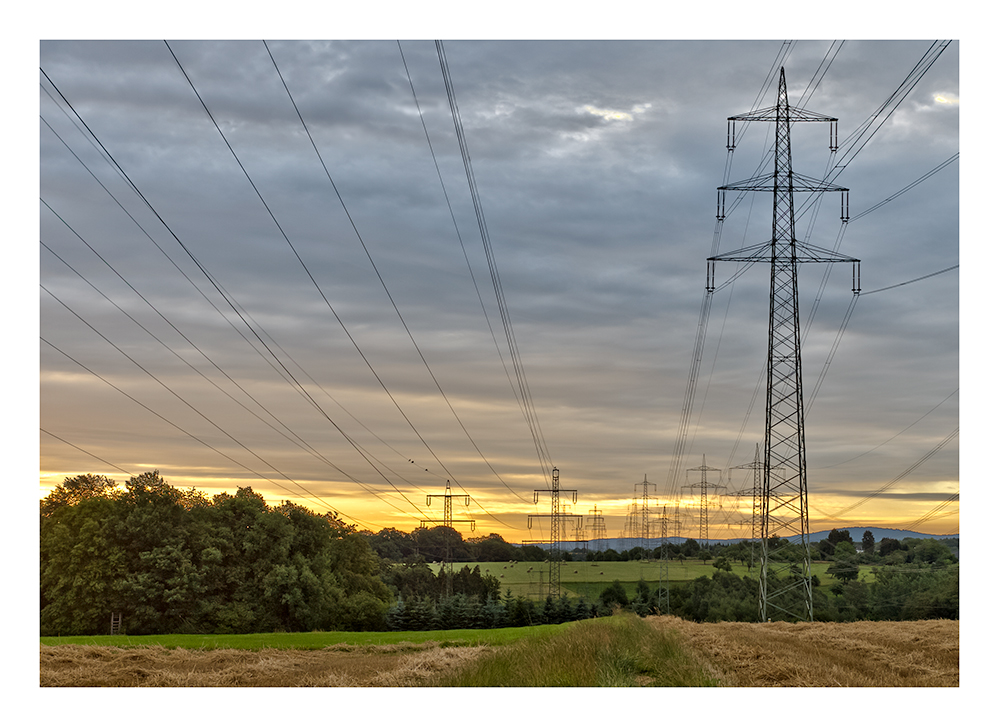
(867, 541)
(492, 549)
(614, 595)
(839, 536)
(75, 490)
(172, 561)
(844, 566)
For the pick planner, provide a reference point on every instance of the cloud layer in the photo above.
(596, 164)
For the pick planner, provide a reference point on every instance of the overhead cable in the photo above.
(381, 280)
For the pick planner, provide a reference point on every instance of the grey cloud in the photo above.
(600, 240)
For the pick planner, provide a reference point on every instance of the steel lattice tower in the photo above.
(785, 575)
(643, 515)
(598, 528)
(663, 558)
(702, 486)
(757, 494)
(447, 522)
(557, 519)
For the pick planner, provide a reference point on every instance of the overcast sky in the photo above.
(596, 165)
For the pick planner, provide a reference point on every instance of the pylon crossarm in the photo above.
(786, 113)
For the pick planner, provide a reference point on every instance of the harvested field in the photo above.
(858, 654)
(863, 653)
(398, 665)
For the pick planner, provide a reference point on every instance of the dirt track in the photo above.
(865, 653)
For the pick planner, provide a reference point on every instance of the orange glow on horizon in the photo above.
(369, 513)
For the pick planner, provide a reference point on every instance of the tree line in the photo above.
(175, 561)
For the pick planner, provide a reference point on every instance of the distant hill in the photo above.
(879, 533)
(623, 544)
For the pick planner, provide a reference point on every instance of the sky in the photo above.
(361, 277)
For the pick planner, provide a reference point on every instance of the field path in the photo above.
(858, 654)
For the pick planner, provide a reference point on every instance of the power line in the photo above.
(381, 280)
(914, 280)
(905, 189)
(464, 251)
(839, 464)
(243, 314)
(90, 454)
(288, 375)
(221, 291)
(934, 512)
(946, 440)
(301, 443)
(311, 277)
(182, 430)
(525, 392)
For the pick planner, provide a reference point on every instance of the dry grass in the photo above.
(865, 653)
(859, 654)
(337, 666)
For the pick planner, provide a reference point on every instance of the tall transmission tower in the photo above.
(703, 486)
(558, 518)
(643, 515)
(447, 522)
(785, 575)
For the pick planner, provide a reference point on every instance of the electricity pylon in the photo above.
(643, 515)
(598, 528)
(757, 520)
(785, 492)
(447, 522)
(663, 558)
(702, 486)
(557, 518)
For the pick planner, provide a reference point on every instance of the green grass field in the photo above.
(616, 651)
(313, 640)
(582, 578)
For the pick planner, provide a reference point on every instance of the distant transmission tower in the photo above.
(447, 522)
(598, 528)
(643, 516)
(663, 558)
(557, 519)
(702, 487)
(785, 493)
(757, 493)
(631, 528)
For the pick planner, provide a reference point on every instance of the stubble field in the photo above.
(880, 654)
